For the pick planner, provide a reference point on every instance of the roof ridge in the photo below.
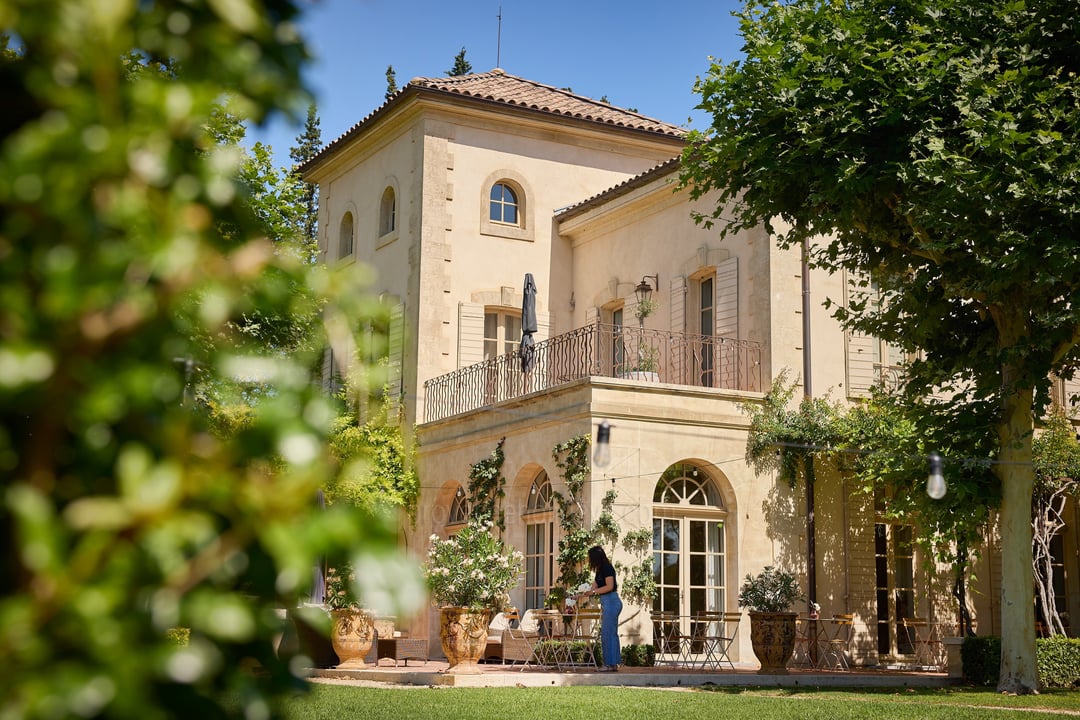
(502, 88)
(458, 79)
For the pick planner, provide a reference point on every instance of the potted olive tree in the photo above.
(769, 596)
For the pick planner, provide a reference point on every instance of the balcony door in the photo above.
(706, 328)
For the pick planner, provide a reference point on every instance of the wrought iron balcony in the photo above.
(604, 351)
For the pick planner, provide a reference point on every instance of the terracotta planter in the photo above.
(463, 633)
(351, 637)
(772, 636)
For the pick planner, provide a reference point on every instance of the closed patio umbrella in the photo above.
(527, 349)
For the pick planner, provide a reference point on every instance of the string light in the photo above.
(602, 453)
(935, 484)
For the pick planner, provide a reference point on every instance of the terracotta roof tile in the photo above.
(498, 86)
(664, 168)
(502, 87)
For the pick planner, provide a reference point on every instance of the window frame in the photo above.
(387, 229)
(516, 183)
(348, 221)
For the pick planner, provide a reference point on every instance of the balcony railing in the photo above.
(599, 350)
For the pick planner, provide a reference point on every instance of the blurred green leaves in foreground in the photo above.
(132, 264)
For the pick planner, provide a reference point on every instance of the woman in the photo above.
(607, 588)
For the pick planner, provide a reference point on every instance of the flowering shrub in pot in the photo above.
(470, 576)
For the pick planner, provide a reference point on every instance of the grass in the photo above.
(337, 702)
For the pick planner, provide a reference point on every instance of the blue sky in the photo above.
(642, 55)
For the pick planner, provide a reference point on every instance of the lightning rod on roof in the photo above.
(498, 41)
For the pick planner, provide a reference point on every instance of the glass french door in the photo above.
(895, 572)
(688, 566)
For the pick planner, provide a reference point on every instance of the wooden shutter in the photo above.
(860, 352)
(678, 304)
(470, 334)
(727, 298)
(396, 354)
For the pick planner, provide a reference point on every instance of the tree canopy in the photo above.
(930, 147)
(131, 250)
(461, 66)
(308, 144)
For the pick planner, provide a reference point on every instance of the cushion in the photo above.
(497, 625)
(528, 622)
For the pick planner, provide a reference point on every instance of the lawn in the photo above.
(336, 702)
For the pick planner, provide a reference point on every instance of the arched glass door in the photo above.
(688, 544)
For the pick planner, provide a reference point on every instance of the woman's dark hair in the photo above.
(597, 557)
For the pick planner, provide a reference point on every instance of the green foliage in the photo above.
(473, 569)
(771, 590)
(341, 588)
(637, 584)
(638, 655)
(308, 145)
(932, 145)
(786, 440)
(179, 635)
(131, 248)
(1059, 661)
(645, 307)
(572, 459)
(1056, 454)
(579, 652)
(377, 464)
(391, 82)
(487, 486)
(891, 436)
(981, 657)
(461, 65)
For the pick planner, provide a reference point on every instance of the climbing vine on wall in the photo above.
(572, 459)
(487, 487)
(636, 583)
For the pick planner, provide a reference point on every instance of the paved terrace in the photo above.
(433, 672)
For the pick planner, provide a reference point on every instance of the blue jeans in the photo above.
(611, 605)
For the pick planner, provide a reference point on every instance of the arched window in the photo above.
(504, 204)
(684, 484)
(345, 236)
(539, 541)
(459, 508)
(387, 212)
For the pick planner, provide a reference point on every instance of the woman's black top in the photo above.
(606, 570)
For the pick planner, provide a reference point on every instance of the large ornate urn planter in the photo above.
(351, 637)
(772, 635)
(463, 633)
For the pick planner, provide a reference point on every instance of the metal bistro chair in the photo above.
(834, 650)
(666, 637)
(924, 639)
(584, 639)
(719, 629)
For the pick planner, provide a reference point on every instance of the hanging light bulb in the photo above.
(935, 484)
(602, 454)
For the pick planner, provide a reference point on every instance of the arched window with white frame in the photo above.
(387, 212)
(689, 542)
(539, 520)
